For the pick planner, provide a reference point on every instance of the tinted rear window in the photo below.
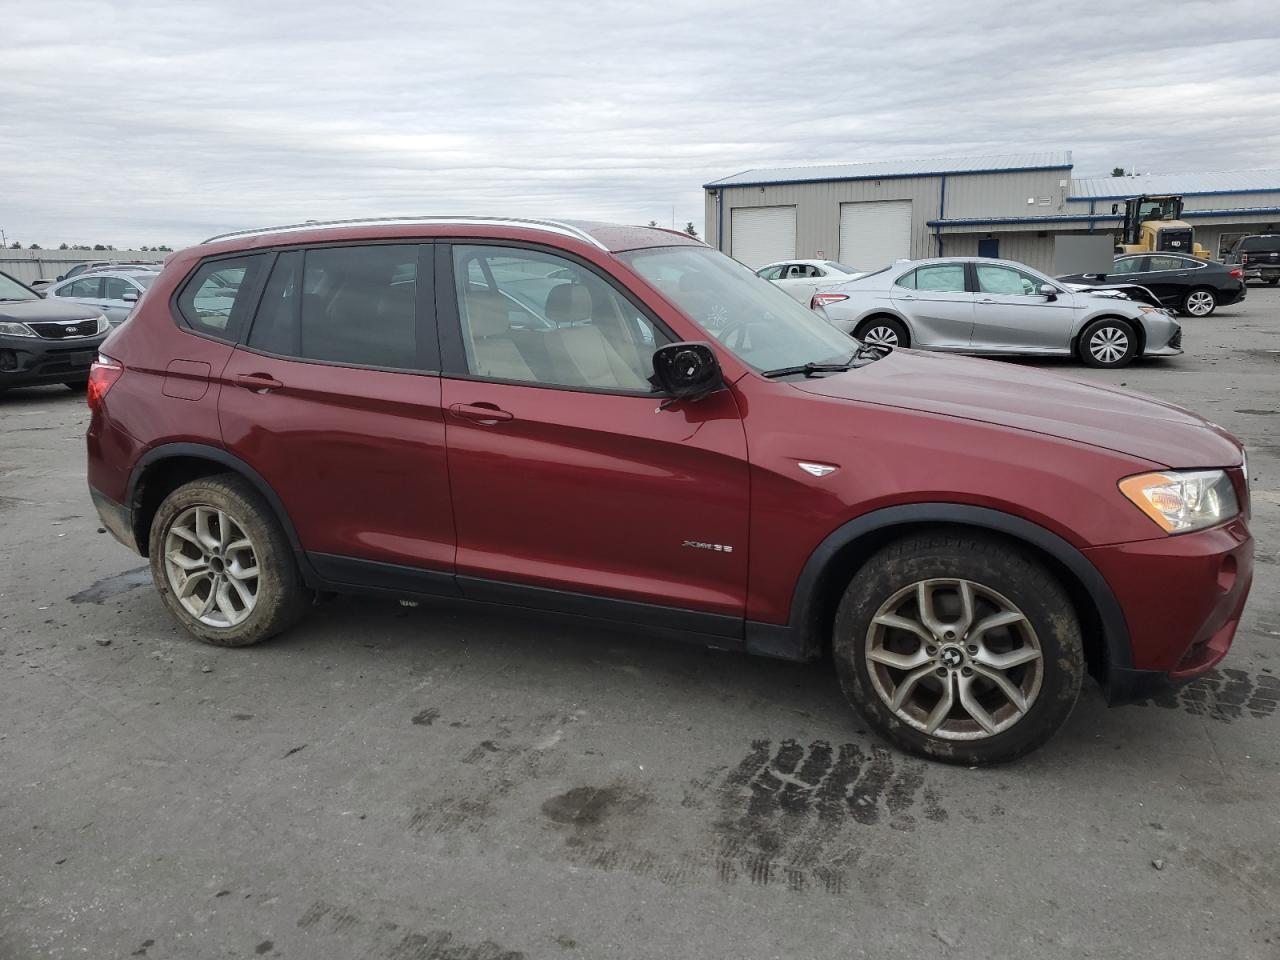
(1264, 244)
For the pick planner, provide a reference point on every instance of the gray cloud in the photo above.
(132, 123)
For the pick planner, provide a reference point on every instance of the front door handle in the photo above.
(256, 381)
(486, 413)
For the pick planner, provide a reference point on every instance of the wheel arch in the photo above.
(164, 468)
(847, 548)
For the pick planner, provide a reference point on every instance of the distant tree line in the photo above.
(161, 248)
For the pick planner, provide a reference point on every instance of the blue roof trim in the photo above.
(1187, 193)
(719, 185)
(1085, 215)
(1048, 218)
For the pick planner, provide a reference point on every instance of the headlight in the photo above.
(1183, 500)
(103, 324)
(1151, 310)
(8, 329)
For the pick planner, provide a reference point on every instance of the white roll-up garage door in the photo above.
(763, 235)
(875, 233)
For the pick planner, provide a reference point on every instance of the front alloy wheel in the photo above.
(961, 647)
(954, 659)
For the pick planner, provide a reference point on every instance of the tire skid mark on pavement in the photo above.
(1226, 695)
(411, 945)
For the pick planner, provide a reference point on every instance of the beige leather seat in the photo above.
(581, 354)
(494, 353)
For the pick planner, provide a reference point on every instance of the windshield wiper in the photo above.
(859, 358)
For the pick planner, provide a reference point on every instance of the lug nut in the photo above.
(931, 650)
(950, 634)
(942, 672)
(967, 671)
(973, 649)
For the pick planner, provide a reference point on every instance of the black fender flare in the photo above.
(800, 639)
(204, 451)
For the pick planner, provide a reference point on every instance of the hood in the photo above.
(1123, 291)
(993, 392)
(45, 310)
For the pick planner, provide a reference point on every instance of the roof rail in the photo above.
(551, 226)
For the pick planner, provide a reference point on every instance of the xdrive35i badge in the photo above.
(703, 545)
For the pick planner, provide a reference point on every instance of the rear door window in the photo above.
(353, 306)
(219, 295)
(1158, 263)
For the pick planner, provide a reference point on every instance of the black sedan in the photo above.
(46, 341)
(1188, 284)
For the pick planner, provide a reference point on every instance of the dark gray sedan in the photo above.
(46, 341)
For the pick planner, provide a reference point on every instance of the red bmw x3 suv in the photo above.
(623, 424)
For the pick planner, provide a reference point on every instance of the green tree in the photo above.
(1117, 171)
(34, 246)
(688, 228)
(653, 223)
(64, 247)
(15, 245)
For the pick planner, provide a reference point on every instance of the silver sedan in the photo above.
(114, 292)
(996, 307)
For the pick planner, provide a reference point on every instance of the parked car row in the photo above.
(92, 265)
(46, 340)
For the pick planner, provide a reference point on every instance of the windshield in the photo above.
(11, 289)
(756, 321)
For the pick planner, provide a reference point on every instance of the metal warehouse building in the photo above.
(870, 214)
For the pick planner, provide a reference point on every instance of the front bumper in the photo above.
(1182, 598)
(1164, 340)
(26, 361)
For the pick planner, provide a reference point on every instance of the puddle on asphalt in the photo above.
(109, 587)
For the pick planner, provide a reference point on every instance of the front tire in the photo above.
(883, 333)
(1108, 342)
(1199, 303)
(961, 649)
(222, 563)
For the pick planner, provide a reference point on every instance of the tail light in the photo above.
(823, 299)
(102, 375)
(1237, 273)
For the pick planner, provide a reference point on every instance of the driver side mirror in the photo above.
(687, 370)
(1048, 291)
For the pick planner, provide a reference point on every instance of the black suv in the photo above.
(1258, 256)
(46, 341)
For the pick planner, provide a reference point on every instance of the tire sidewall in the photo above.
(1018, 578)
(276, 586)
(1086, 354)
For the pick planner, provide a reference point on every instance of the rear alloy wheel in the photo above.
(222, 563)
(1199, 303)
(961, 649)
(1108, 343)
(883, 333)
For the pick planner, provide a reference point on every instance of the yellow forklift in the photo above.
(1155, 224)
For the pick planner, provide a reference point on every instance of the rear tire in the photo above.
(1199, 302)
(1109, 342)
(222, 563)
(1012, 683)
(77, 385)
(883, 333)
(1273, 282)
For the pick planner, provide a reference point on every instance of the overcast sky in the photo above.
(141, 123)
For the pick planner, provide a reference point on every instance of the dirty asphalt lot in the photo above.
(463, 784)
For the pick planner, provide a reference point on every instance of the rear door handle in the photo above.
(480, 412)
(256, 381)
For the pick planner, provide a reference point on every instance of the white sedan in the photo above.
(803, 278)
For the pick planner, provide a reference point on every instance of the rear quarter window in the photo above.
(216, 299)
